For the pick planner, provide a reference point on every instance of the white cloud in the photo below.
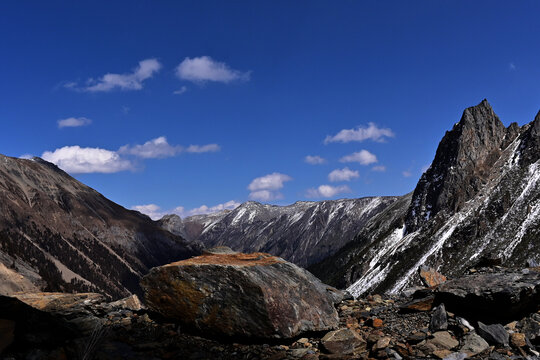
(265, 188)
(229, 205)
(362, 157)
(180, 91)
(203, 148)
(326, 191)
(265, 195)
(152, 149)
(74, 122)
(344, 174)
(272, 181)
(314, 160)
(75, 159)
(372, 132)
(406, 173)
(26, 156)
(160, 148)
(204, 68)
(130, 81)
(156, 212)
(379, 168)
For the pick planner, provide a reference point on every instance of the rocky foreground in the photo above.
(490, 313)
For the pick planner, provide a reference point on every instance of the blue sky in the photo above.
(172, 105)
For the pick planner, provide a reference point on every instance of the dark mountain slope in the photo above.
(62, 235)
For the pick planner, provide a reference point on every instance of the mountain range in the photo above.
(479, 199)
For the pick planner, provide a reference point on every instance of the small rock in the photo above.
(443, 340)
(439, 321)
(416, 337)
(494, 334)
(377, 323)
(473, 344)
(465, 323)
(430, 277)
(518, 340)
(423, 304)
(456, 356)
(382, 343)
(442, 354)
(343, 341)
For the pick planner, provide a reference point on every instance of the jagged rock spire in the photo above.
(461, 165)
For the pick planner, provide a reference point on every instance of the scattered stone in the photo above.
(382, 343)
(456, 356)
(264, 296)
(423, 304)
(439, 321)
(377, 323)
(430, 277)
(473, 344)
(464, 323)
(129, 303)
(443, 340)
(494, 334)
(343, 341)
(518, 340)
(442, 354)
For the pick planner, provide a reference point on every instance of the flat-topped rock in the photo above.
(235, 294)
(492, 297)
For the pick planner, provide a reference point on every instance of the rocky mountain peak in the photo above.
(462, 164)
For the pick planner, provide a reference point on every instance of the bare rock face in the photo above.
(234, 294)
(482, 296)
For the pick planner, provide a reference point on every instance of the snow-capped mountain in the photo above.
(57, 234)
(480, 198)
(304, 232)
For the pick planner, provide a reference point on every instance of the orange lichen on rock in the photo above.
(239, 259)
(431, 277)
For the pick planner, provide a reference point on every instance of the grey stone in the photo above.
(439, 320)
(473, 344)
(494, 334)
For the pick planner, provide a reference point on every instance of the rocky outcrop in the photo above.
(481, 296)
(304, 233)
(58, 234)
(235, 294)
(478, 204)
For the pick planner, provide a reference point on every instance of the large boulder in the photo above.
(481, 297)
(234, 294)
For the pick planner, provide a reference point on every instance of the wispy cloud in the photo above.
(327, 191)
(153, 149)
(203, 148)
(73, 122)
(129, 81)
(314, 160)
(156, 212)
(406, 173)
(77, 160)
(265, 188)
(204, 68)
(344, 174)
(363, 157)
(379, 168)
(512, 66)
(359, 134)
(180, 91)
